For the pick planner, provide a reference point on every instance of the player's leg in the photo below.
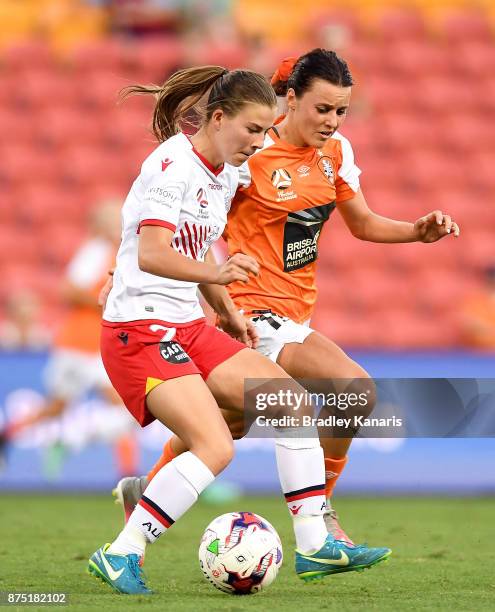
(301, 473)
(154, 385)
(302, 353)
(183, 405)
(319, 359)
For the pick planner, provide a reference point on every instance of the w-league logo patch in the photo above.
(281, 179)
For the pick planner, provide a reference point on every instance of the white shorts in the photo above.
(70, 374)
(276, 331)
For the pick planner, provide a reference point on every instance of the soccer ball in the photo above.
(240, 553)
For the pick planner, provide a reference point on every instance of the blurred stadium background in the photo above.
(422, 123)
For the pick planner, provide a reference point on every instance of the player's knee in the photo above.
(218, 455)
(224, 452)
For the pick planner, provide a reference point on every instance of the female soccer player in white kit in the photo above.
(161, 356)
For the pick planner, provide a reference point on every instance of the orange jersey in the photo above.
(287, 194)
(88, 270)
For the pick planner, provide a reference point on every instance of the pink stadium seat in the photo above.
(101, 89)
(157, 58)
(60, 242)
(58, 127)
(468, 135)
(28, 55)
(23, 163)
(387, 94)
(474, 59)
(17, 245)
(105, 54)
(16, 127)
(481, 174)
(400, 24)
(461, 25)
(83, 166)
(43, 88)
(430, 170)
(126, 127)
(47, 205)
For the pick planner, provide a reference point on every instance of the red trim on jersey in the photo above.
(156, 222)
(190, 239)
(208, 164)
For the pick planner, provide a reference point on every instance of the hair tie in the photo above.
(284, 70)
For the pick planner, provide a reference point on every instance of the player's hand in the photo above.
(105, 290)
(435, 225)
(240, 328)
(236, 268)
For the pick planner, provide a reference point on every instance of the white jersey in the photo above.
(177, 189)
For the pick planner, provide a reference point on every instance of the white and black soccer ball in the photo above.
(240, 553)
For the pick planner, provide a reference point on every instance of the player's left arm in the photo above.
(367, 225)
(230, 319)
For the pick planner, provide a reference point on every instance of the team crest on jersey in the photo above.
(325, 165)
(303, 171)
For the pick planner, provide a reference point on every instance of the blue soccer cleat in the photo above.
(335, 556)
(121, 572)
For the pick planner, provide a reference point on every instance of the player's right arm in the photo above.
(157, 256)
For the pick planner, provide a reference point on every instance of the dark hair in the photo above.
(183, 91)
(317, 64)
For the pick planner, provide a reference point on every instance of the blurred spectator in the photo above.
(22, 329)
(478, 314)
(75, 366)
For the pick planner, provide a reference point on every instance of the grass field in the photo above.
(443, 556)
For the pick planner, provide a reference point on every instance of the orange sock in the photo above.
(166, 457)
(126, 454)
(333, 469)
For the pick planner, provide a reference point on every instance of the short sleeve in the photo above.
(162, 200)
(347, 183)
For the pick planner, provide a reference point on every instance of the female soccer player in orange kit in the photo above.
(287, 192)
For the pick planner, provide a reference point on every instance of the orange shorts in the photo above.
(140, 354)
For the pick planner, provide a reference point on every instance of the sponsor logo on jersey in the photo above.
(215, 186)
(325, 165)
(166, 163)
(303, 171)
(301, 234)
(159, 195)
(173, 352)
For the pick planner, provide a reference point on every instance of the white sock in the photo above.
(301, 471)
(168, 496)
